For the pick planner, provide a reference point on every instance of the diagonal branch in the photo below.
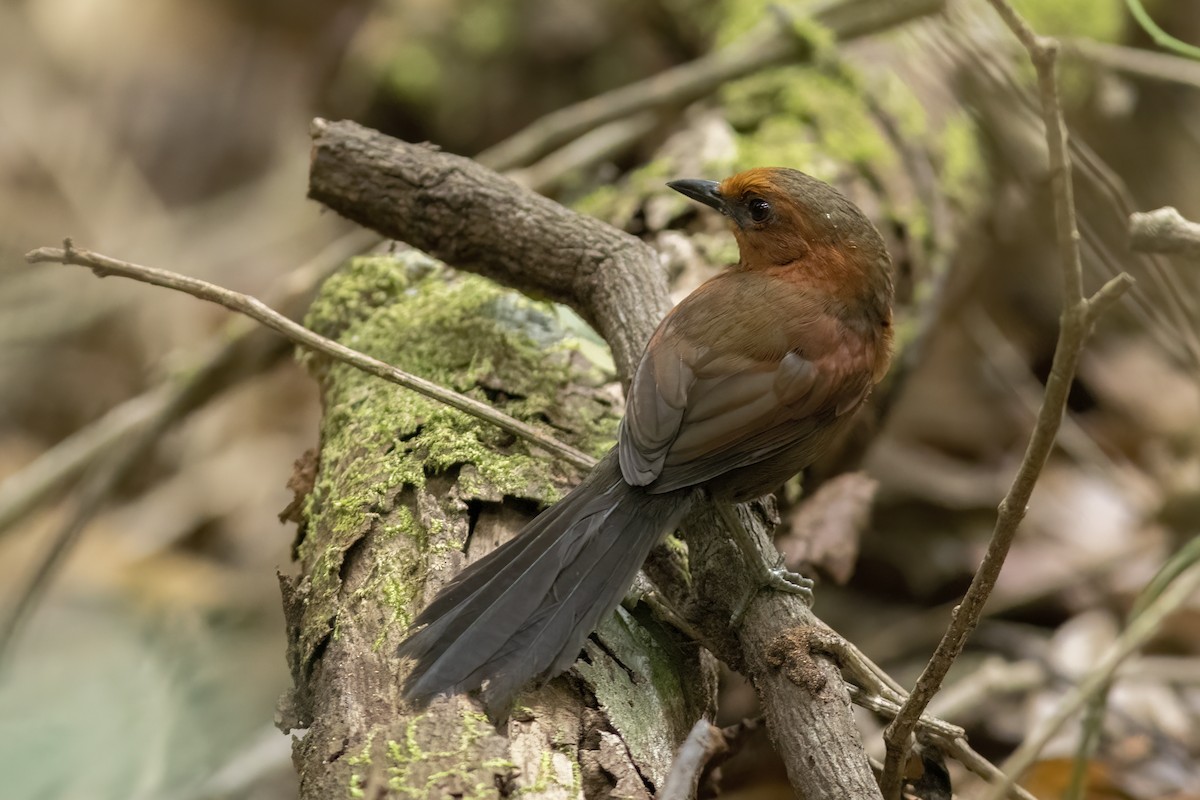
(1135, 61)
(104, 266)
(105, 452)
(1140, 630)
(1077, 319)
(769, 47)
(244, 350)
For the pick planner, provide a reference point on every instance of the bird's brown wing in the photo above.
(698, 410)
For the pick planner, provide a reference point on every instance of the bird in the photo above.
(745, 382)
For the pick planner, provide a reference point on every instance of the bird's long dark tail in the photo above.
(524, 610)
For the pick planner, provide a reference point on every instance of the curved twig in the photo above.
(104, 266)
(1079, 314)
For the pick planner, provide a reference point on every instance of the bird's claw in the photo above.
(779, 579)
(784, 580)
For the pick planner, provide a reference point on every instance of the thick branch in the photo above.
(467, 215)
(480, 221)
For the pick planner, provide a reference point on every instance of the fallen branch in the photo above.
(1079, 314)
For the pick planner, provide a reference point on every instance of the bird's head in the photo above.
(784, 217)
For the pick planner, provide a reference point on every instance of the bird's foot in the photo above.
(784, 580)
(779, 579)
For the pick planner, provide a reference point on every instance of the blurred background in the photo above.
(174, 133)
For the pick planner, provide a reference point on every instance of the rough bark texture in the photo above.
(479, 221)
(474, 219)
(403, 487)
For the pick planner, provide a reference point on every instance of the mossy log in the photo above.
(569, 740)
(405, 492)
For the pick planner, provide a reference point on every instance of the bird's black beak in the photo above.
(702, 192)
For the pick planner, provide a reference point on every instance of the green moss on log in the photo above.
(380, 440)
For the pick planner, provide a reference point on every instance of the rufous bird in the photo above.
(744, 383)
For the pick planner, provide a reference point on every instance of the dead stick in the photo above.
(770, 46)
(1079, 314)
(257, 310)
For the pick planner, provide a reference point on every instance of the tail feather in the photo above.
(479, 573)
(474, 617)
(483, 625)
(524, 610)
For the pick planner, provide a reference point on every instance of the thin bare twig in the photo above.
(768, 47)
(1078, 316)
(969, 758)
(61, 465)
(106, 452)
(878, 692)
(860, 669)
(1092, 726)
(949, 736)
(1089, 742)
(255, 309)
(890, 708)
(1164, 230)
(1137, 62)
(97, 488)
(1170, 317)
(162, 407)
(1140, 630)
(604, 142)
(1000, 357)
(996, 675)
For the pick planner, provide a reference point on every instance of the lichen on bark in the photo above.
(379, 441)
(403, 483)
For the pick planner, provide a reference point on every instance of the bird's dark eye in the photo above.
(759, 209)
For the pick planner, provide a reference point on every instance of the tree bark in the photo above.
(479, 221)
(403, 487)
